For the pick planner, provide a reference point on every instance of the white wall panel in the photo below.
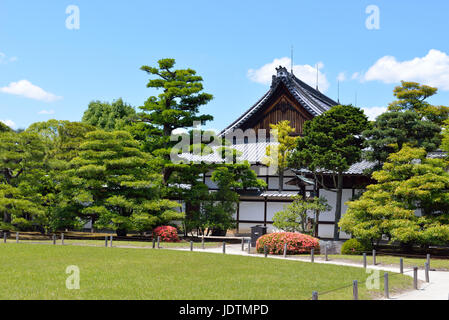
(252, 211)
(273, 207)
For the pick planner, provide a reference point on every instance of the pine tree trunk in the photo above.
(338, 207)
(281, 180)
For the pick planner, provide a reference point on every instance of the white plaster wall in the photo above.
(331, 198)
(273, 207)
(252, 211)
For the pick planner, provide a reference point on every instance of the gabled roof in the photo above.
(309, 98)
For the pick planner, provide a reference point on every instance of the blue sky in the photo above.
(48, 71)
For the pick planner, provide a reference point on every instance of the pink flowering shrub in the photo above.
(297, 243)
(167, 234)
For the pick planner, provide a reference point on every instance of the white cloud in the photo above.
(47, 112)
(355, 76)
(341, 76)
(9, 123)
(373, 112)
(306, 73)
(27, 89)
(5, 59)
(432, 69)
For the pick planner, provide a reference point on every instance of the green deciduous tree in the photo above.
(277, 156)
(409, 183)
(109, 116)
(331, 142)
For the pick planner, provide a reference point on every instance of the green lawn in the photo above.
(38, 272)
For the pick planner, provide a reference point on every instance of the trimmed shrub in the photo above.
(355, 247)
(297, 243)
(167, 233)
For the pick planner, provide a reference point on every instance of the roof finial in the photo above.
(292, 61)
(338, 81)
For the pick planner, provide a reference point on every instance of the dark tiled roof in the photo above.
(311, 99)
(358, 168)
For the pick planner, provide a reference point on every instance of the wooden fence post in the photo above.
(265, 251)
(355, 290)
(224, 247)
(17, 237)
(401, 265)
(191, 245)
(364, 260)
(326, 258)
(314, 295)
(159, 242)
(312, 255)
(285, 250)
(374, 257)
(106, 241)
(202, 242)
(428, 259)
(112, 237)
(415, 278)
(54, 239)
(62, 238)
(5, 236)
(386, 289)
(243, 244)
(427, 268)
(154, 243)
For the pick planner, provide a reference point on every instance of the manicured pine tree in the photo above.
(409, 120)
(118, 185)
(21, 156)
(408, 183)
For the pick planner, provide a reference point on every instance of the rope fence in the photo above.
(246, 245)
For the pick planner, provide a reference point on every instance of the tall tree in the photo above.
(109, 116)
(277, 155)
(178, 106)
(62, 140)
(393, 129)
(410, 119)
(331, 142)
(412, 96)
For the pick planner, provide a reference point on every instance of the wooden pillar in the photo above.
(238, 216)
(265, 212)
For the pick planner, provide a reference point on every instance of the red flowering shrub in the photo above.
(167, 234)
(297, 243)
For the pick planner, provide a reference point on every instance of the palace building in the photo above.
(290, 99)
